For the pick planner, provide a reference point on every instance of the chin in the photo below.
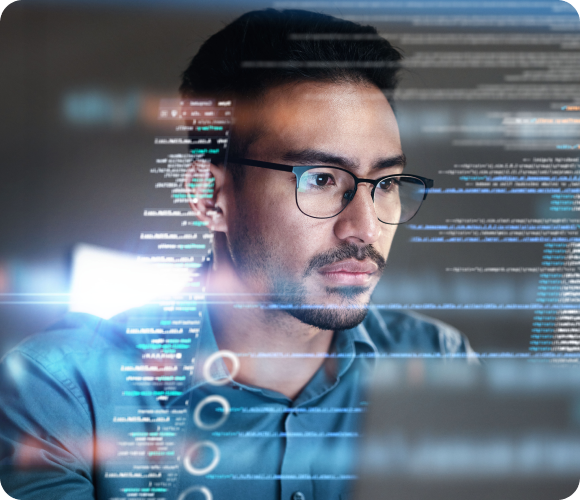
(346, 308)
(332, 317)
(345, 293)
(329, 308)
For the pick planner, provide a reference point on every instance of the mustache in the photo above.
(347, 251)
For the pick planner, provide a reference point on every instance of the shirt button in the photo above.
(298, 495)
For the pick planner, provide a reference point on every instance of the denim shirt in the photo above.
(72, 425)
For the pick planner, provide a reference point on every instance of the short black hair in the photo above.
(266, 48)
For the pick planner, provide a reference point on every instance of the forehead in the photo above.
(351, 120)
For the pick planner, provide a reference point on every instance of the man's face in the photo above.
(295, 259)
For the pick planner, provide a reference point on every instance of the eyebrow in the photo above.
(316, 157)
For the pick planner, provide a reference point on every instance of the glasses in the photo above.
(323, 192)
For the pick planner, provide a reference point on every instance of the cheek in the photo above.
(266, 213)
(292, 236)
(289, 231)
(383, 245)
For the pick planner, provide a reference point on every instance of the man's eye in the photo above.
(388, 184)
(322, 180)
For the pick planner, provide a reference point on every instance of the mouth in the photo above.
(349, 272)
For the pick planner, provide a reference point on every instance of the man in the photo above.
(304, 211)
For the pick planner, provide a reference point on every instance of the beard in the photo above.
(340, 316)
(258, 262)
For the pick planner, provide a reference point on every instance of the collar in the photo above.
(347, 346)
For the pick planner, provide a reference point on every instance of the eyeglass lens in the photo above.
(325, 192)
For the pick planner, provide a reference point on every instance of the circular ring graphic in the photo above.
(216, 355)
(202, 489)
(211, 399)
(201, 472)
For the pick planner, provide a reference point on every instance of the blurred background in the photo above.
(489, 107)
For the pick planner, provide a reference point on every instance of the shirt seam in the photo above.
(63, 380)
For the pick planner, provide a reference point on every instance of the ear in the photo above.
(204, 183)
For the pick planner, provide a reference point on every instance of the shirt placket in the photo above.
(296, 480)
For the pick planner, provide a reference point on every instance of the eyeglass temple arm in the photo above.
(262, 164)
(428, 185)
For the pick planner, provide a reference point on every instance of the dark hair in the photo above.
(265, 48)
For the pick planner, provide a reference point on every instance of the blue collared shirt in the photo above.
(72, 425)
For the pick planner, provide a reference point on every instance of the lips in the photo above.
(349, 272)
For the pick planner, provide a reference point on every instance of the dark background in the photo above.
(78, 79)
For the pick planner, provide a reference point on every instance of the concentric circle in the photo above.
(204, 402)
(205, 470)
(193, 489)
(214, 357)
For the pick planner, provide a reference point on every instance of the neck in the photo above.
(255, 330)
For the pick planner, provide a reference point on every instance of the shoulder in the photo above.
(51, 385)
(65, 363)
(411, 332)
(77, 335)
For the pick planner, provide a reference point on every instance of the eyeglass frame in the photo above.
(299, 170)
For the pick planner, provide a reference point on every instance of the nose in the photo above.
(358, 222)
